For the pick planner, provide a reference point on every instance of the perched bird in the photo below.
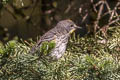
(54, 42)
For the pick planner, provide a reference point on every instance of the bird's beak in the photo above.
(77, 27)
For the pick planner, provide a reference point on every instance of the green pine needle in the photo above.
(47, 47)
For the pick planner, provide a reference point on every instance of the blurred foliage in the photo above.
(4, 1)
(29, 18)
(86, 58)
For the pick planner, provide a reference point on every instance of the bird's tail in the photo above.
(33, 50)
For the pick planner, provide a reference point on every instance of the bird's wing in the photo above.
(49, 36)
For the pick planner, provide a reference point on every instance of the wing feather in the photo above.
(49, 36)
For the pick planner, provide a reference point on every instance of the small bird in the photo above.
(54, 42)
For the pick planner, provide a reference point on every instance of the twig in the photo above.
(113, 21)
(98, 17)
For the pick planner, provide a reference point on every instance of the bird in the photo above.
(57, 37)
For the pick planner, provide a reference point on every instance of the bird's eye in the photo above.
(71, 25)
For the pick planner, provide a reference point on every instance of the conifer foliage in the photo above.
(86, 58)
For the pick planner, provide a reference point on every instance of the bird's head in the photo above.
(68, 25)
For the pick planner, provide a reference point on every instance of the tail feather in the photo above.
(33, 50)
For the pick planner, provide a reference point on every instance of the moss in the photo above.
(86, 58)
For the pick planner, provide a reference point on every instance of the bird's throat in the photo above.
(72, 31)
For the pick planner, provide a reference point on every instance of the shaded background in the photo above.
(30, 18)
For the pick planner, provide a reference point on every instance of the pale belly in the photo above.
(59, 49)
(58, 52)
